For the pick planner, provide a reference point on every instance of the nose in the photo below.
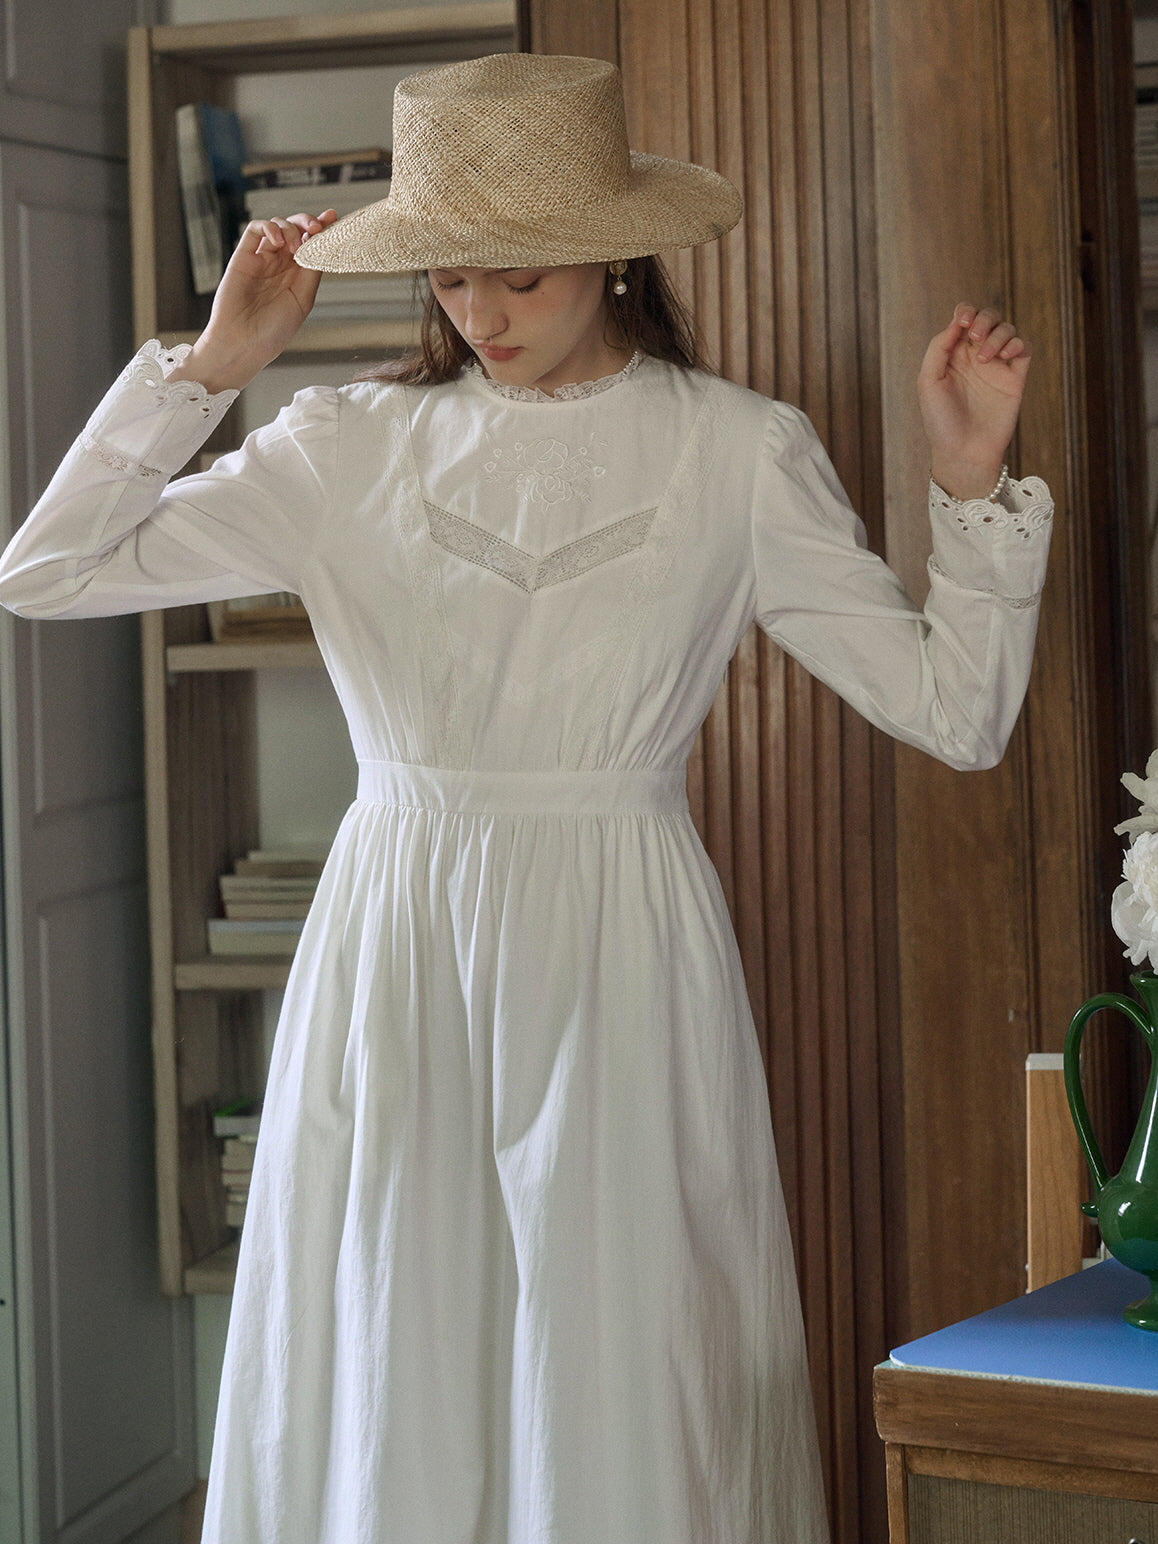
(485, 317)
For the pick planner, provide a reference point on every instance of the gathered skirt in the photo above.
(516, 1267)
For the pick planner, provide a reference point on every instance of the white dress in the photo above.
(516, 1268)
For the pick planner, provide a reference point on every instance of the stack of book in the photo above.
(236, 1173)
(276, 617)
(362, 297)
(266, 900)
(236, 1125)
(342, 180)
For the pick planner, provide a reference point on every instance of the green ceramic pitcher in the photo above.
(1126, 1206)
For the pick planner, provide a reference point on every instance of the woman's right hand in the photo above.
(262, 300)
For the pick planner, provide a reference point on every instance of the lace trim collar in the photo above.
(569, 393)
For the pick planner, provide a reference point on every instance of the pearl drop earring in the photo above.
(618, 269)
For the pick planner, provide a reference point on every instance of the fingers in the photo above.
(286, 234)
(991, 335)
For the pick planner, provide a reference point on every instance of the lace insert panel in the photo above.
(464, 540)
(113, 459)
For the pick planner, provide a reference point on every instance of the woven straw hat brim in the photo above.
(663, 205)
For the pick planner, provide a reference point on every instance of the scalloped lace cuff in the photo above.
(1025, 506)
(148, 425)
(996, 548)
(151, 367)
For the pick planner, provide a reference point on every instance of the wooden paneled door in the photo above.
(910, 933)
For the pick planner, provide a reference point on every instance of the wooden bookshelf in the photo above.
(298, 654)
(221, 973)
(200, 742)
(367, 339)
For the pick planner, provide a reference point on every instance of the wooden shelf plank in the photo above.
(355, 338)
(232, 973)
(215, 1273)
(271, 43)
(301, 654)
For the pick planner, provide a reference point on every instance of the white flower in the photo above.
(1134, 906)
(1145, 790)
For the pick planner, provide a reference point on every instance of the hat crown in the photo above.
(510, 136)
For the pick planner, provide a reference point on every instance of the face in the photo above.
(539, 327)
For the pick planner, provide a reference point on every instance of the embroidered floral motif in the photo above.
(546, 471)
(114, 460)
(571, 393)
(466, 540)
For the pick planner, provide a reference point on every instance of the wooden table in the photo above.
(1035, 1423)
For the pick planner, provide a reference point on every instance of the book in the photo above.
(288, 171)
(269, 911)
(210, 153)
(199, 202)
(361, 297)
(342, 197)
(279, 866)
(323, 175)
(225, 148)
(252, 937)
(238, 1118)
(277, 615)
(238, 1152)
(306, 852)
(268, 887)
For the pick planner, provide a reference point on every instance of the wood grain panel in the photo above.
(909, 933)
(1056, 1180)
(995, 961)
(1037, 1422)
(783, 780)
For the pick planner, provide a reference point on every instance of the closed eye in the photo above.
(523, 289)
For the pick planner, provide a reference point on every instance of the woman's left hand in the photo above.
(970, 390)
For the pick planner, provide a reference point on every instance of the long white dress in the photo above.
(516, 1268)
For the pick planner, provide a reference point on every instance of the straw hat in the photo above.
(521, 160)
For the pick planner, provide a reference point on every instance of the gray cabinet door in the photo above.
(102, 1361)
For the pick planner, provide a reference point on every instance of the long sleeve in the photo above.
(113, 534)
(950, 678)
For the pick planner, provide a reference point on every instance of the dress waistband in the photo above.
(564, 792)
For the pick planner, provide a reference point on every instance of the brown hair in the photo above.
(650, 318)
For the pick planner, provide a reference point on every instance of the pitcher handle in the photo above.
(1073, 1078)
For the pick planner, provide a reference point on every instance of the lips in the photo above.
(498, 355)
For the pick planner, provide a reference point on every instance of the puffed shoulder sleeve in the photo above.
(112, 533)
(949, 678)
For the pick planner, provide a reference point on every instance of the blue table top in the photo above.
(1069, 1332)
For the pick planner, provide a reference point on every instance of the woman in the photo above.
(516, 1268)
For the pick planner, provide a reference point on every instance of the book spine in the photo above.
(200, 203)
(327, 173)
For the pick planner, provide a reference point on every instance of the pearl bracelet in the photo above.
(1002, 484)
(990, 498)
